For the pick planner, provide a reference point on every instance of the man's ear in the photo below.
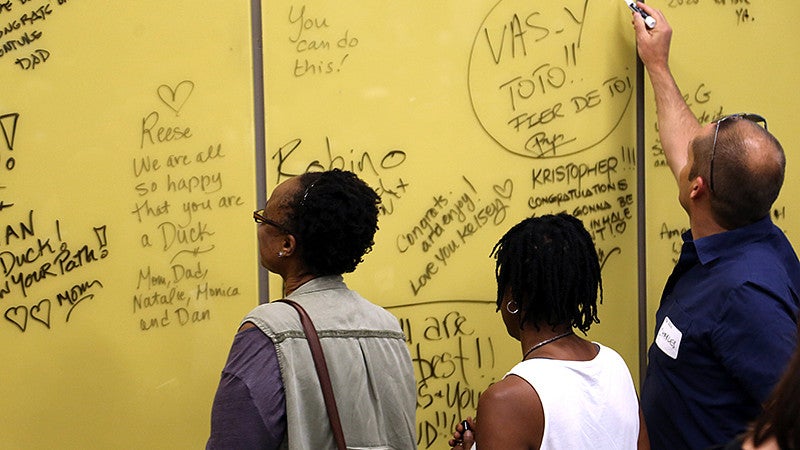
(698, 188)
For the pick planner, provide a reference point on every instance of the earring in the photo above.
(516, 307)
(281, 254)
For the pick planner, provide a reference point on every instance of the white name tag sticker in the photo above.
(668, 338)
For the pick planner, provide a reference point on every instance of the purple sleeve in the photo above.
(249, 408)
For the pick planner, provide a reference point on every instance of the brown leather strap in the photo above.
(322, 372)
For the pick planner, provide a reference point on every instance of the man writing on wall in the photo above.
(725, 327)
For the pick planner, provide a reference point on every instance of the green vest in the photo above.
(369, 364)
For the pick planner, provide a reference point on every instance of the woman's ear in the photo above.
(289, 245)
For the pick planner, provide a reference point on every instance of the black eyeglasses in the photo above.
(259, 217)
(751, 117)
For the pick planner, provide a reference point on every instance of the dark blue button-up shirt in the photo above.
(725, 330)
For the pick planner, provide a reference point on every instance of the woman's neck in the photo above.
(292, 282)
(535, 339)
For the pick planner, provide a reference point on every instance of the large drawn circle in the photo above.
(538, 87)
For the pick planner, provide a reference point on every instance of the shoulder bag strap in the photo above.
(322, 372)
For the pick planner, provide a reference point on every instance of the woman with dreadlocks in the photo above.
(568, 392)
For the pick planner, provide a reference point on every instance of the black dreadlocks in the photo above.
(551, 268)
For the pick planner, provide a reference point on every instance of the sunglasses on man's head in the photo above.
(747, 116)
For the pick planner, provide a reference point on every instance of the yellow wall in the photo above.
(118, 305)
(467, 117)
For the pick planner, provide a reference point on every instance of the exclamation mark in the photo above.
(628, 155)
(478, 348)
(101, 237)
(405, 327)
(441, 419)
(491, 351)
(469, 184)
(570, 54)
(8, 125)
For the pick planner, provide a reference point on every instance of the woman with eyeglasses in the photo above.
(567, 393)
(314, 228)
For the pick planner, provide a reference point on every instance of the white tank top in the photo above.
(587, 404)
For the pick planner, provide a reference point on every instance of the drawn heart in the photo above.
(14, 316)
(505, 190)
(41, 312)
(176, 98)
